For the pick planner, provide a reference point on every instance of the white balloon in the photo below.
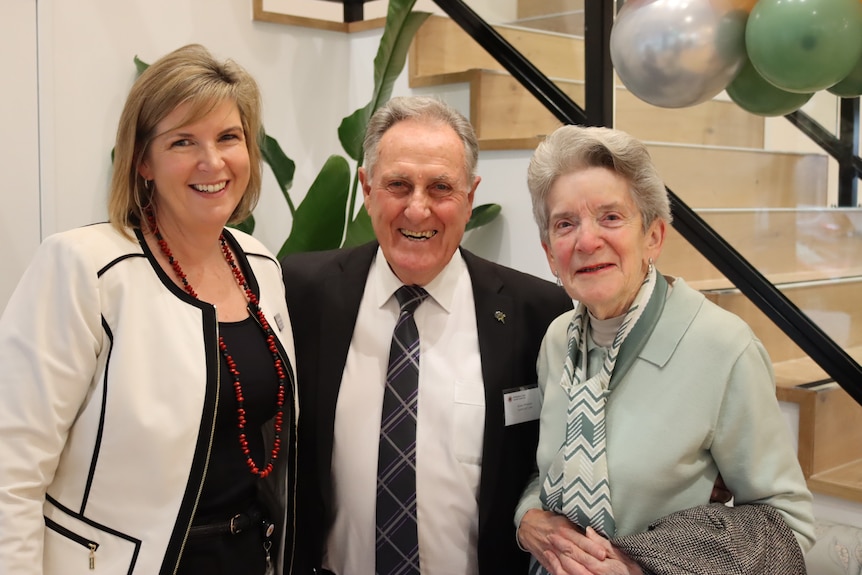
(678, 53)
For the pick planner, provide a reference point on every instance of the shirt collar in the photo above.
(441, 288)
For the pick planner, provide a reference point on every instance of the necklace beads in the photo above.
(257, 312)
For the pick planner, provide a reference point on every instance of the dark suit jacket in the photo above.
(324, 290)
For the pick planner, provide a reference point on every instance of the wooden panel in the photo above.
(712, 123)
(707, 177)
(833, 306)
(502, 99)
(838, 430)
(445, 48)
(507, 110)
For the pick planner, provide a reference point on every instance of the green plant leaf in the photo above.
(482, 215)
(319, 220)
(140, 65)
(247, 225)
(283, 168)
(401, 25)
(360, 230)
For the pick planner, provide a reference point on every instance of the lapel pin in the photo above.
(501, 317)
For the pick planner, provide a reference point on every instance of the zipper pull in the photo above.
(92, 547)
(269, 570)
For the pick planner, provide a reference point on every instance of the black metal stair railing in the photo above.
(598, 86)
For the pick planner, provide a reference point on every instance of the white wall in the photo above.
(86, 69)
(19, 151)
(310, 80)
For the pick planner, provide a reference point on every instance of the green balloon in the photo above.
(754, 94)
(804, 45)
(851, 85)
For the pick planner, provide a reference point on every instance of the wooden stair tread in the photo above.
(803, 371)
(502, 109)
(447, 48)
(843, 481)
(833, 306)
(261, 14)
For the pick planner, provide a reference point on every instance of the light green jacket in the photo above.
(698, 400)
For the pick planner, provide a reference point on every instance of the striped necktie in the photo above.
(397, 533)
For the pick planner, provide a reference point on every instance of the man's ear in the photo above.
(365, 184)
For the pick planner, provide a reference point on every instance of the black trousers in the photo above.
(240, 554)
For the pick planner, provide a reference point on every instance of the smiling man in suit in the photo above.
(479, 327)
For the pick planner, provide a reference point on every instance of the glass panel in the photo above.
(814, 255)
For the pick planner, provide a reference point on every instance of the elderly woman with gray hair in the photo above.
(650, 392)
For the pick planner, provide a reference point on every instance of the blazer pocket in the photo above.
(78, 546)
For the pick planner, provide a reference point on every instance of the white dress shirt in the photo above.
(450, 427)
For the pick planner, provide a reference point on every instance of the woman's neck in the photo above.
(603, 331)
(191, 246)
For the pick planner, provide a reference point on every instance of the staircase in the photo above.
(771, 206)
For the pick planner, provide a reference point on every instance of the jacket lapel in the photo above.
(497, 324)
(342, 290)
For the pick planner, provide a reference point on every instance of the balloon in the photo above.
(804, 45)
(754, 94)
(673, 53)
(851, 85)
(746, 5)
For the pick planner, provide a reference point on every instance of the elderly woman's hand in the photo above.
(564, 549)
(545, 534)
(578, 561)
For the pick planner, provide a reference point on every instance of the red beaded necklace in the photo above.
(254, 307)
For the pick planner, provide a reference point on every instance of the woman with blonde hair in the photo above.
(148, 413)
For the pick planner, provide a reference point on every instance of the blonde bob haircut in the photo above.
(188, 75)
(574, 148)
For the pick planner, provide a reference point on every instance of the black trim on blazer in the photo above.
(111, 264)
(133, 540)
(200, 460)
(167, 281)
(101, 427)
(176, 543)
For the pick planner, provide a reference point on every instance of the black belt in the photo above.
(233, 526)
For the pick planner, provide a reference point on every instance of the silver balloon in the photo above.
(678, 53)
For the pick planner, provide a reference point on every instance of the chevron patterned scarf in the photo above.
(577, 481)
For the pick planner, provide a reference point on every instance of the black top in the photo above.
(230, 487)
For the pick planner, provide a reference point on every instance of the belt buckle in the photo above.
(234, 524)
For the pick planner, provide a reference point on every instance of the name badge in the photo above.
(522, 404)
